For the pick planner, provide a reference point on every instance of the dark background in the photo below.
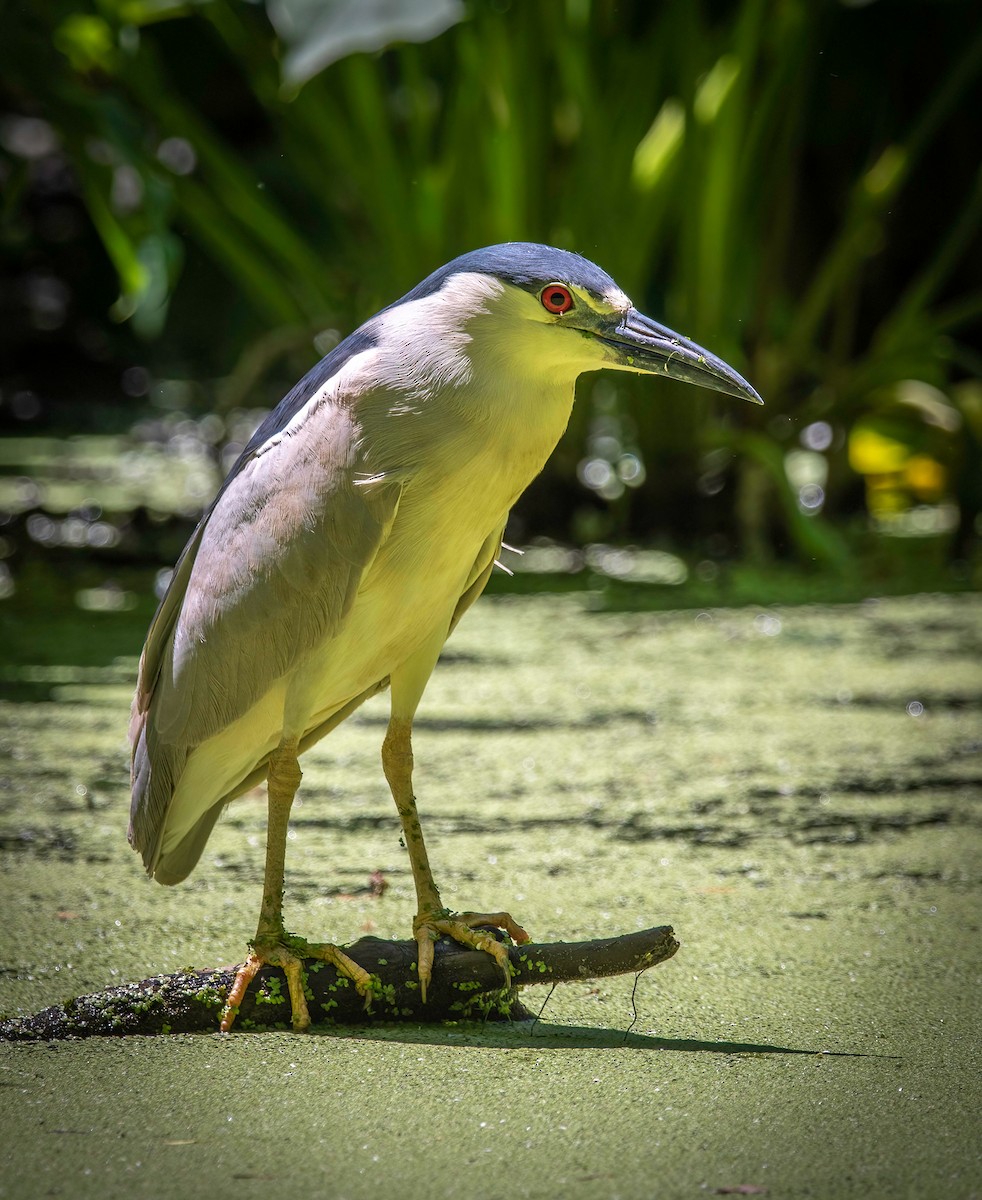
(193, 212)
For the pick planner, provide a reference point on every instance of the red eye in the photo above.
(556, 298)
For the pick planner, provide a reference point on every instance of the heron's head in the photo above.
(539, 310)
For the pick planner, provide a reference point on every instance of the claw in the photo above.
(290, 959)
(462, 927)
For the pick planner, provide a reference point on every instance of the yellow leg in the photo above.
(273, 946)
(432, 919)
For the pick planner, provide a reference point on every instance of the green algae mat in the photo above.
(796, 790)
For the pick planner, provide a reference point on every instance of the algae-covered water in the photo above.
(796, 790)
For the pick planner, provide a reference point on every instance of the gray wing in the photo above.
(270, 573)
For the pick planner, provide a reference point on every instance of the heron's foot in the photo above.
(288, 953)
(464, 928)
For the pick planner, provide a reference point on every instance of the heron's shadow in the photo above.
(517, 1035)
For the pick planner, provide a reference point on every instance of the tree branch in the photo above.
(466, 984)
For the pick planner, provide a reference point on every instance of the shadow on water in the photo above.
(539, 1035)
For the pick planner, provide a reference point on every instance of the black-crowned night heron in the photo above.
(359, 524)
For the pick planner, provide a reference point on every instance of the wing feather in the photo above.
(271, 572)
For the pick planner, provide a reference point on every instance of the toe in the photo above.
(464, 928)
(500, 920)
(243, 977)
(294, 972)
(289, 955)
(477, 939)
(426, 933)
(344, 965)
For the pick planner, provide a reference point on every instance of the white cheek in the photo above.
(425, 344)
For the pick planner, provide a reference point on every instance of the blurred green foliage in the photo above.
(795, 183)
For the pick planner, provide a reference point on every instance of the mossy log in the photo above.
(466, 984)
